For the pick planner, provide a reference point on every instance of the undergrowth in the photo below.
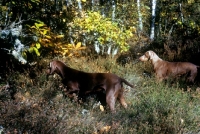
(35, 105)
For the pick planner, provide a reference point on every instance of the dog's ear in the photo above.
(147, 54)
(151, 55)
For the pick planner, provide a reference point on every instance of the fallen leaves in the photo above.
(103, 130)
(101, 108)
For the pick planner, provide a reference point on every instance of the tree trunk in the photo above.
(113, 9)
(152, 34)
(139, 16)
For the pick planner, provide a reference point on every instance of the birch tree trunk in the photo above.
(139, 16)
(153, 14)
(68, 3)
(113, 9)
(79, 6)
(181, 14)
(92, 3)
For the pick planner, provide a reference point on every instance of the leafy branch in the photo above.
(106, 31)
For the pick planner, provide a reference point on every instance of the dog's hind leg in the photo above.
(121, 98)
(110, 99)
(192, 76)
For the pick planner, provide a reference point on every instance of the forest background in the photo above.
(101, 36)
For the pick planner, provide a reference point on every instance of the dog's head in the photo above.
(57, 67)
(145, 57)
(149, 55)
(50, 69)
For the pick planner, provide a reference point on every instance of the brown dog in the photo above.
(90, 82)
(164, 69)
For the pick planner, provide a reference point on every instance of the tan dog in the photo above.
(164, 69)
(90, 82)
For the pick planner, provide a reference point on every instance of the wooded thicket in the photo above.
(89, 35)
(33, 27)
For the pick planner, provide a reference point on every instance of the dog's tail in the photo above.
(126, 82)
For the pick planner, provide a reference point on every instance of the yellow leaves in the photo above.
(70, 49)
(190, 1)
(104, 129)
(38, 25)
(179, 22)
(39, 28)
(101, 108)
(107, 31)
(37, 45)
(59, 36)
(24, 55)
(46, 39)
(81, 0)
(133, 29)
(43, 31)
(34, 49)
(78, 45)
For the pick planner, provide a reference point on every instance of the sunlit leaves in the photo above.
(46, 39)
(104, 129)
(70, 49)
(41, 31)
(59, 36)
(178, 17)
(108, 31)
(34, 49)
(38, 25)
(35, 1)
(101, 108)
(37, 45)
(191, 1)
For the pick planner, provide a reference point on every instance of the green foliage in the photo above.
(35, 49)
(180, 17)
(106, 30)
(41, 33)
(45, 39)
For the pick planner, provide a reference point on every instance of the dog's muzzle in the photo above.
(144, 58)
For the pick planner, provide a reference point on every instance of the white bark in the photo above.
(113, 10)
(152, 34)
(79, 5)
(114, 52)
(70, 36)
(68, 2)
(181, 14)
(109, 49)
(139, 16)
(96, 47)
(92, 3)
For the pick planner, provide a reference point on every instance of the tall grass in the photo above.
(40, 106)
(165, 109)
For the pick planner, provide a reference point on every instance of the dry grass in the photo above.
(39, 106)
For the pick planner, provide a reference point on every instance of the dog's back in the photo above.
(84, 83)
(164, 69)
